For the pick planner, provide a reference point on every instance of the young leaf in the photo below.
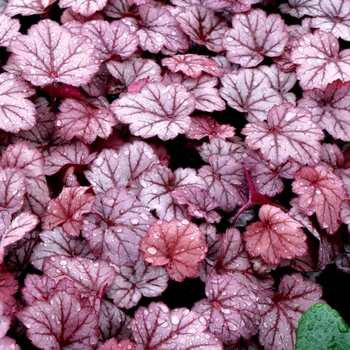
(72, 60)
(176, 244)
(288, 132)
(157, 327)
(27, 7)
(157, 110)
(253, 36)
(301, 8)
(320, 191)
(85, 8)
(68, 209)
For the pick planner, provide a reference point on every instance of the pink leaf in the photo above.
(203, 27)
(333, 17)
(230, 308)
(68, 209)
(225, 180)
(319, 60)
(116, 225)
(192, 65)
(16, 111)
(83, 121)
(249, 91)
(14, 231)
(322, 192)
(158, 182)
(131, 283)
(199, 203)
(5, 321)
(176, 244)
(8, 29)
(157, 327)
(120, 41)
(119, 9)
(157, 110)
(160, 30)
(202, 126)
(84, 7)
(12, 190)
(8, 343)
(72, 61)
(8, 287)
(330, 108)
(253, 36)
(280, 316)
(277, 236)
(63, 321)
(27, 7)
(288, 132)
(113, 169)
(301, 8)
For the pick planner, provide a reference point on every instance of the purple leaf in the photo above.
(114, 228)
(176, 244)
(319, 60)
(12, 190)
(110, 39)
(288, 132)
(8, 287)
(253, 36)
(83, 121)
(157, 184)
(14, 231)
(120, 9)
(157, 327)
(72, 60)
(230, 308)
(8, 29)
(199, 203)
(225, 180)
(203, 27)
(300, 8)
(277, 236)
(16, 111)
(131, 283)
(68, 209)
(27, 7)
(84, 7)
(249, 91)
(63, 321)
(8, 343)
(280, 316)
(193, 65)
(322, 192)
(330, 108)
(157, 110)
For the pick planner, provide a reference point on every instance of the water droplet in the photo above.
(152, 250)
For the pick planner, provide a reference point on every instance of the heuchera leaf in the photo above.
(120, 9)
(277, 236)
(301, 8)
(14, 231)
(131, 283)
(157, 327)
(249, 91)
(68, 209)
(110, 39)
(192, 65)
(322, 192)
(83, 121)
(8, 287)
(253, 36)
(63, 321)
(72, 61)
(203, 27)
(288, 132)
(230, 308)
(114, 228)
(16, 111)
(27, 7)
(319, 60)
(280, 315)
(8, 29)
(84, 7)
(330, 108)
(157, 110)
(176, 244)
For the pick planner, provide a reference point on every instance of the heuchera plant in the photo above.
(171, 172)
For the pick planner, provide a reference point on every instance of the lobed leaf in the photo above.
(85, 8)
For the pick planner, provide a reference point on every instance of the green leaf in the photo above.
(321, 327)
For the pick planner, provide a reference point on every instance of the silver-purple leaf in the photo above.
(8, 29)
(84, 7)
